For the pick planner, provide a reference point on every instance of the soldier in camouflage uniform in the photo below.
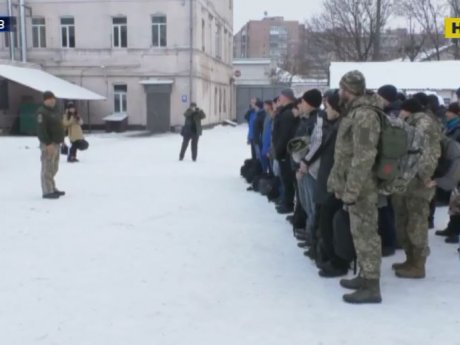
(353, 181)
(50, 133)
(412, 208)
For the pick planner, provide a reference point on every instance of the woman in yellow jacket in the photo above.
(72, 123)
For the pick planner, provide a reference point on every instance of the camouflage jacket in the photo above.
(431, 153)
(355, 152)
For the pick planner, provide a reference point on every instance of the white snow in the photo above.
(145, 250)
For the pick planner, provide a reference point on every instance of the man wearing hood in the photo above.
(354, 182)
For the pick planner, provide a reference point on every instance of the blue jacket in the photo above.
(267, 135)
(252, 120)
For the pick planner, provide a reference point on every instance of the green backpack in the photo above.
(399, 151)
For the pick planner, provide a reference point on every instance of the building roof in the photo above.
(42, 81)
(436, 75)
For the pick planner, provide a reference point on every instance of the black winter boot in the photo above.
(369, 292)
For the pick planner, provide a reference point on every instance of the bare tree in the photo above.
(352, 28)
(414, 43)
(430, 16)
(455, 12)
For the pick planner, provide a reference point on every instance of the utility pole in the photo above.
(10, 34)
(22, 16)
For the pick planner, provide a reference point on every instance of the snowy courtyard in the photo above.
(147, 250)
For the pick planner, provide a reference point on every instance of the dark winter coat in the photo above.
(453, 129)
(259, 127)
(326, 154)
(284, 129)
(50, 129)
(393, 109)
(193, 125)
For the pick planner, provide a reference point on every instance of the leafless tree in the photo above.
(414, 42)
(454, 6)
(430, 16)
(352, 28)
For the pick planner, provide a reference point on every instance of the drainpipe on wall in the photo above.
(22, 16)
(191, 54)
(10, 14)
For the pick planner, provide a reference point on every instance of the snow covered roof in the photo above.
(425, 55)
(41, 81)
(436, 75)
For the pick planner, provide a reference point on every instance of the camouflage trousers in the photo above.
(364, 229)
(412, 223)
(50, 167)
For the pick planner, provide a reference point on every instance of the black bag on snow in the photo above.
(254, 170)
(269, 187)
(343, 240)
(64, 149)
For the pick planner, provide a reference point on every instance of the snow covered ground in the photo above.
(145, 250)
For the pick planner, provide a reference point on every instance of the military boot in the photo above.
(405, 264)
(352, 284)
(415, 271)
(369, 292)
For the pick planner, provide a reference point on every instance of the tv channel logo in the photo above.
(452, 28)
(5, 24)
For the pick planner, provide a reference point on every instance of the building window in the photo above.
(120, 93)
(203, 35)
(159, 32)
(218, 41)
(225, 101)
(14, 29)
(68, 32)
(38, 33)
(120, 32)
(215, 101)
(220, 101)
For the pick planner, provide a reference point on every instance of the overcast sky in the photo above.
(300, 10)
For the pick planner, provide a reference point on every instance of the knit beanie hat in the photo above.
(422, 98)
(412, 106)
(388, 92)
(354, 82)
(313, 97)
(454, 108)
(333, 99)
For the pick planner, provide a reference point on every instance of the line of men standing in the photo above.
(337, 173)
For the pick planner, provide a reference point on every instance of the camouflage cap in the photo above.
(354, 82)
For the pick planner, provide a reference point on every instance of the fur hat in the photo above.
(289, 94)
(354, 82)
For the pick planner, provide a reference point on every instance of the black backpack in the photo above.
(343, 240)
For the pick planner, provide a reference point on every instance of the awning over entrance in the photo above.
(42, 81)
(157, 81)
